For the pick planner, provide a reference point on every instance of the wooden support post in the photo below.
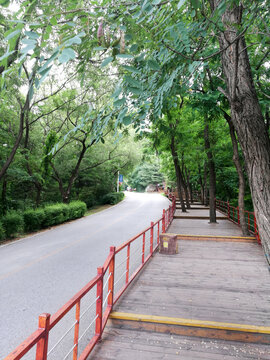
(42, 345)
(76, 330)
(127, 266)
(99, 303)
(151, 237)
(111, 280)
(163, 221)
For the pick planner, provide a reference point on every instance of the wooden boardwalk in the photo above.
(195, 304)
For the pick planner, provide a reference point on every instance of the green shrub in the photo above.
(2, 232)
(12, 223)
(89, 198)
(33, 219)
(77, 209)
(55, 214)
(113, 198)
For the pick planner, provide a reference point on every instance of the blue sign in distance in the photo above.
(120, 178)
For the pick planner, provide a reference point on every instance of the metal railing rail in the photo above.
(232, 213)
(120, 268)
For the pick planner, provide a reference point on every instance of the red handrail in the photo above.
(232, 213)
(105, 297)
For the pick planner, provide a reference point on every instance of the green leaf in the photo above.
(135, 90)
(7, 54)
(4, 3)
(73, 40)
(127, 120)
(66, 55)
(28, 41)
(26, 49)
(133, 82)
(125, 56)
(44, 74)
(14, 33)
(131, 69)
(49, 61)
(153, 64)
(53, 21)
(107, 61)
(99, 48)
(32, 34)
(180, 4)
(119, 102)
(156, 2)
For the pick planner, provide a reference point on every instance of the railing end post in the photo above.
(42, 345)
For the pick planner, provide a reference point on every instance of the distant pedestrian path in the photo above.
(209, 301)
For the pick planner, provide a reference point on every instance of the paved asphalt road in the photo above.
(40, 273)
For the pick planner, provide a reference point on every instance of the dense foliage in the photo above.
(194, 74)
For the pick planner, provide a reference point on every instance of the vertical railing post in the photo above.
(127, 265)
(143, 248)
(42, 345)
(151, 237)
(163, 221)
(99, 303)
(158, 230)
(238, 217)
(76, 330)
(111, 279)
(228, 209)
(257, 235)
(248, 221)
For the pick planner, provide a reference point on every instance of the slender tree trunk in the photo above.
(246, 115)
(190, 188)
(15, 146)
(205, 185)
(4, 196)
(241, 178)
(212, 176)
(185, 187)
(179, 178)
(201, 185)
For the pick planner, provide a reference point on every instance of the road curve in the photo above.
(40, 273)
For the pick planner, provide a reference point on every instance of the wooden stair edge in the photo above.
(199, 217)
(193, 327)
(213, 237)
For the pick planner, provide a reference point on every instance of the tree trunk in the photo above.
(15, 146)
(185, 187)
(246, 115)
(205, 185)
(212, 176)
(241, 178)
(201, 185)
(4, 197)
(179, 178)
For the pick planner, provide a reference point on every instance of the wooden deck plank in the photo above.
(213, 282)
(207, 280)
(122, 344)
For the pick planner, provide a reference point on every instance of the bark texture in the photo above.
(246, 115)
(241, 178)
(212, 176)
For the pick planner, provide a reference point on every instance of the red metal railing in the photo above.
(232, 213)
(120, 268)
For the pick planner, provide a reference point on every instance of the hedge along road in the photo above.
(40, 273)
